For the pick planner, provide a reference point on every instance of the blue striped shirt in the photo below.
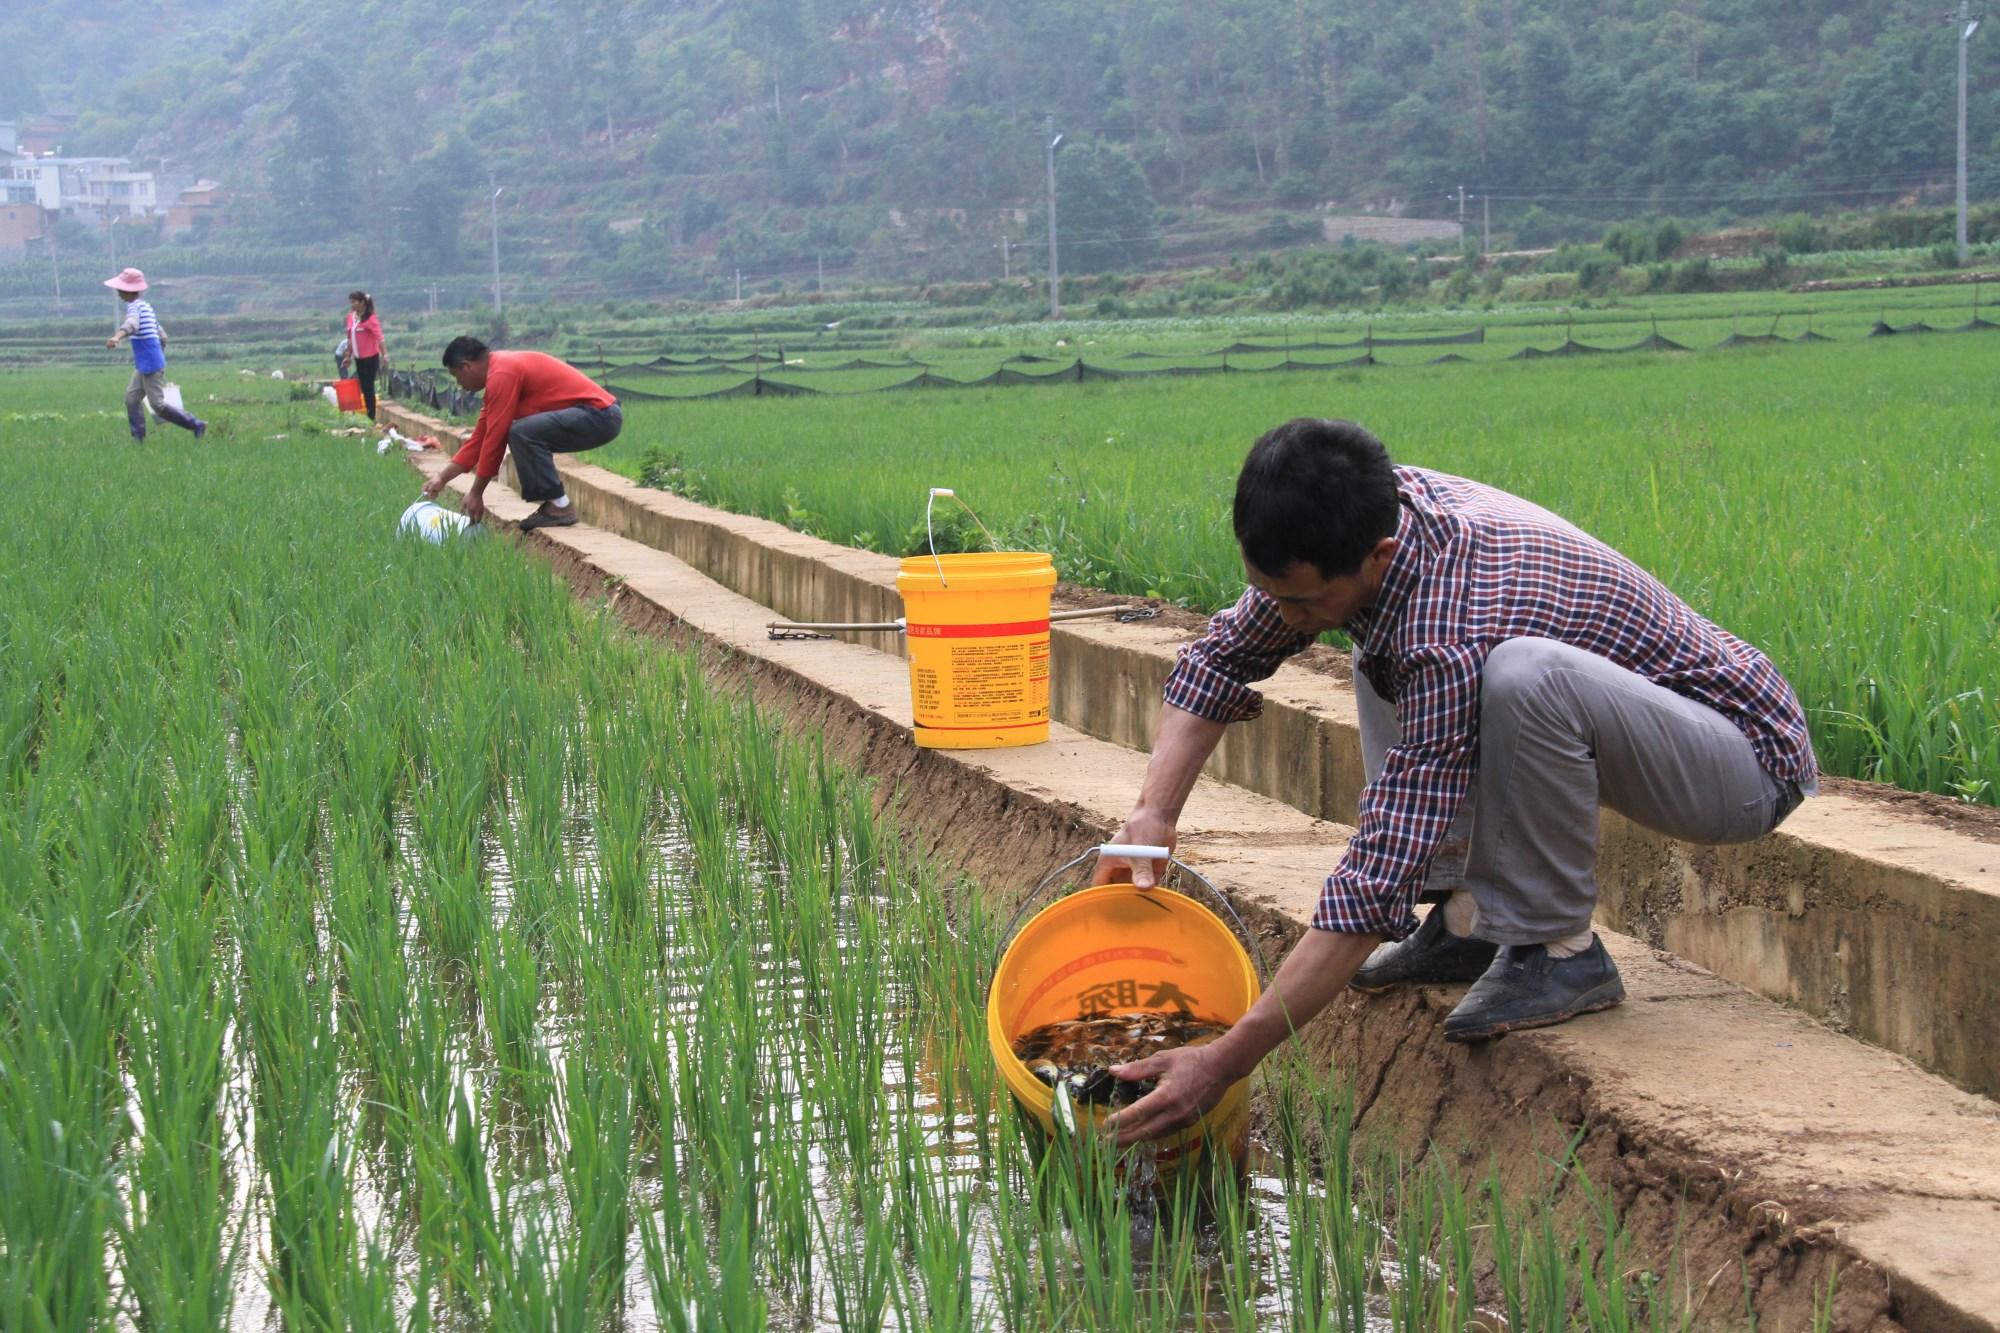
(147, 353)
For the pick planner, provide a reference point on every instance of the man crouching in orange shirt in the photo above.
(535, 405)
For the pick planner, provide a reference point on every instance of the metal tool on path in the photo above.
(1126, 613)
(826, 629)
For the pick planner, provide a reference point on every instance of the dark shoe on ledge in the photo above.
(548, 516)
(1431, 956)
(1525, 988)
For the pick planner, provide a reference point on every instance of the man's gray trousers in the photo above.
(1561, 733)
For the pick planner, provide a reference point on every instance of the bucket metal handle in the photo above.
(930, 538)
(1140, 851)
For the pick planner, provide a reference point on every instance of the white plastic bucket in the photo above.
(433, 522)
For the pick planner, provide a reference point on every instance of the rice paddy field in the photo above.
(390, 940)
(1829, 501)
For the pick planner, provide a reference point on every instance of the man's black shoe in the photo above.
(1431, 956)
(1525, 988)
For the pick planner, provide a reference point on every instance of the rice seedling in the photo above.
(429, 959)
(178, 1245)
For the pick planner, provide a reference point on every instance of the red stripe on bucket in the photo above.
(977, 631)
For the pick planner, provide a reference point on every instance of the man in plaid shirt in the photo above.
(1512, 674)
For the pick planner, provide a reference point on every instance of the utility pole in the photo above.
(1461, 215)
(739, 286)
(1485, 223)
(1006, 257)
(494, 205)
(1055, 278)
(111, 235)
(1967, 25)
(820, 257)
(55, 258)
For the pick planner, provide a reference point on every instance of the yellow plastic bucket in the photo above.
(977, 629)
(1120, 949)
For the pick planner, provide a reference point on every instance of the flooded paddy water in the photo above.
(392, 942)
(742, 1083)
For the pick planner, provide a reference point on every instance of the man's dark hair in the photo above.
(1320, 493)
(462, 349)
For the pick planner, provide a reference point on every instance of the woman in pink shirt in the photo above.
(364, 343)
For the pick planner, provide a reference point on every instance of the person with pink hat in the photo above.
(149, 359)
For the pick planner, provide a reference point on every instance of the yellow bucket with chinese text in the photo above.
(1120, 949)
(977, 631)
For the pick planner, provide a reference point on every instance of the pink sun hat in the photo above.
(131, 280)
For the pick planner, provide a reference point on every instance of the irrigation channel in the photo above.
(393, 941)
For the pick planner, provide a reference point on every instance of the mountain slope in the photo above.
(781, 133)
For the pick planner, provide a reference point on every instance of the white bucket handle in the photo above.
(930, 538)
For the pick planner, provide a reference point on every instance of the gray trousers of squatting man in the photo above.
(536, 440)
(1562, 731)
(151, 389)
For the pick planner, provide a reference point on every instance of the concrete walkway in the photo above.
(1873, 909)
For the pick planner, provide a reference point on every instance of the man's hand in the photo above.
(445, 476)
(474, 503)
(1193, 1078)
(1143, 828)
(112, 341)
(1192, 1081)
(1182, 743)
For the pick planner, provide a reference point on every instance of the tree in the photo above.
(312, 172)
(1892, 113)
(436, 188)
(1105, 214)
(18, 95)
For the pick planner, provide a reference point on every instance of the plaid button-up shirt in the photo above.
(1474, 567)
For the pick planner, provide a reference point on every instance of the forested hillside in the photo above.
(775, 135)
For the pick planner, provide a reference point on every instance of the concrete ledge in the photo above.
(1883, 925)
(1737, 1140)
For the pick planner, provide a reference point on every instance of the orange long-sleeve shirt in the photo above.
(521, 384)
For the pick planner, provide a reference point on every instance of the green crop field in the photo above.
(391, 941)
(1831, 502)
(1825, 500)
